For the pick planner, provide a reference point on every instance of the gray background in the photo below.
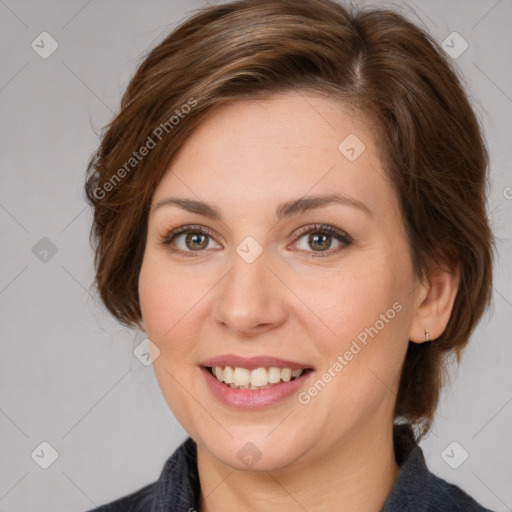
(68, 375)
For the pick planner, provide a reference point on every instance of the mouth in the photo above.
(237, 377)
(254, 383)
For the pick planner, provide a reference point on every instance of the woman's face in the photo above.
(265, 283)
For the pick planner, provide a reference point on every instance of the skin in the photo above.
(335, 452)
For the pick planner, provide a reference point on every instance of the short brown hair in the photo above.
(376, 61)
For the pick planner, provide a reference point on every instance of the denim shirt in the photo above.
(415, 490)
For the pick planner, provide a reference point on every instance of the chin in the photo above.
(256, 449)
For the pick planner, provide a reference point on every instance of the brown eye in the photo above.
(320, 241)
(188, 239)
(320, 238)
(196, 241)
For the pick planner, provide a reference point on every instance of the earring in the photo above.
(427, 335)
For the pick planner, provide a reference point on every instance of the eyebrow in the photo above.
(284, 210)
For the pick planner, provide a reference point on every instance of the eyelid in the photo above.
(329, 229)
(170, 234)
(320, 227)
(340, 235)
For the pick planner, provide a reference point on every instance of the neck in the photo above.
(357, 473)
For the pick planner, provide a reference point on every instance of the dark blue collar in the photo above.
(416, 488)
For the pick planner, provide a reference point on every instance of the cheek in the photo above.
(354, 297)
(366, 308)
(167, 309)
(166, 295)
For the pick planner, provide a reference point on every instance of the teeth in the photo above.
(229, 377)
(241, 376)
(274, 375)
(218, 372)
(259, 378)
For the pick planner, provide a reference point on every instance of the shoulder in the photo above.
(176, 489)
(138, 501)
(442, 496)
(417, 488)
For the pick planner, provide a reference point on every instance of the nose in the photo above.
(251, 298)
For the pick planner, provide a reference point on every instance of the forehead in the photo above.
(254, 153)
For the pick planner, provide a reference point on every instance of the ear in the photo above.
(434, 303)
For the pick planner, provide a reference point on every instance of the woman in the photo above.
(282, 206)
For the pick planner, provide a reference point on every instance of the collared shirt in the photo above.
(415, 490)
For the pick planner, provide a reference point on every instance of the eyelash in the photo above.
(324, 229)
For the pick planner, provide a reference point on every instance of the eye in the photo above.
(188, 239)
(320, 236)
(191, 239)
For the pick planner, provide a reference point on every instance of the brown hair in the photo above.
(375, 61)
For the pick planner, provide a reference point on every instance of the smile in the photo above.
(255, 382)
(255, 379)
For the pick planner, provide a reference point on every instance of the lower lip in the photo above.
(253, 398)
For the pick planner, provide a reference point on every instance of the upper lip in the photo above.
(253, 362)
